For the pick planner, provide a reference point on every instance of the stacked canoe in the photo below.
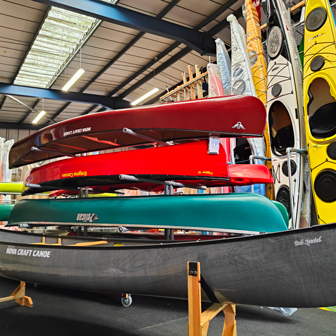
(180, 157)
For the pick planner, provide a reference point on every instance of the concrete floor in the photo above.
(66, 312)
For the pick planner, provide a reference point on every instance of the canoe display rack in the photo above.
(199, 322)
(192, 86)
(19, 296)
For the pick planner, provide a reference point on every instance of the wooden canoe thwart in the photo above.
(187, 163)
(225, 116)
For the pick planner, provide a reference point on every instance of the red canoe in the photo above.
(232, 116)
(187, 163)
(254, 174)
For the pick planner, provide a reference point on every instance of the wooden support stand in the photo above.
(19, 296)
(199, 322)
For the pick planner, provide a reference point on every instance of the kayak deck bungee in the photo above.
(284, 110)
(319, 105)
(242, 270)
(243, 212)
(195, 165)
(225, 116)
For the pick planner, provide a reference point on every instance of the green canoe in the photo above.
(244, 212)
(5, 211)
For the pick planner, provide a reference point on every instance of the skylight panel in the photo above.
(61, 35)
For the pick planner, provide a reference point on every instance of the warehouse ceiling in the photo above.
(42, 44)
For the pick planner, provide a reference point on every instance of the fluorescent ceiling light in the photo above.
(39, 117)
(73, 79)
(148, 94)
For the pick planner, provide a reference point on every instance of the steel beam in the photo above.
(18, 127)
(18, 90)
(156, 71)
(144, 68)
(214, 30)
(175, 58)
(198, 41)
(117, 57)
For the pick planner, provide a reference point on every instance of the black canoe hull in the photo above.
(286, 269)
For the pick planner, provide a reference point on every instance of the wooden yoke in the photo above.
(199, 322)
(19, 296)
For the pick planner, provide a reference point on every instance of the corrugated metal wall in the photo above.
(14, 133)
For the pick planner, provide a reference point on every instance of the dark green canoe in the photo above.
(225, 212)
(5, 211)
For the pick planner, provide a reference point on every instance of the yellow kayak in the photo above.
(319, 89)
(259, 70)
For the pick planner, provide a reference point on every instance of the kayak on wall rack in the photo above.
(242, 83)
(259, 72)
(284, 111)
(319, 89)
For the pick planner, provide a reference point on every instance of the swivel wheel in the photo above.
(126, 301)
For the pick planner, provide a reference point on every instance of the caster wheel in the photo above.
(126, 302)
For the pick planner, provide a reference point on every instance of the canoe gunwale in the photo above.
(137, 226)
(184, 139)
(115, 180)
(314, 228)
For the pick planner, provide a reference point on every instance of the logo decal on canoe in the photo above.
(239, 125)
(77, 131)
(308, 242)
(28, 252)
(86, 217)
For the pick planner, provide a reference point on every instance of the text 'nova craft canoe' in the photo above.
(232, 116)
(187, 163)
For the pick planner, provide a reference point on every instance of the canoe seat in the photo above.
(100, 242)
(43, 242)
(323, 123)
